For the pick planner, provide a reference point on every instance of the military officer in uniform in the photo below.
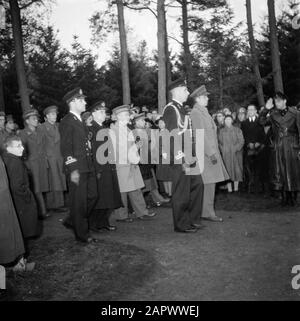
(187, 185)
(36, 161)
(57, 179)
(214, 169)
(109, 197)
(78, 165)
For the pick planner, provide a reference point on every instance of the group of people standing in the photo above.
(267, 143)
(100, 163)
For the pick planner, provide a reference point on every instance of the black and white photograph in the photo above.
(149, 154)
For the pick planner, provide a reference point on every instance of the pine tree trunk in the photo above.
(168, 63)
(19, 52)
(161, 45)
(124, 54)
(277, 75)
(186, 44)
(259, 86)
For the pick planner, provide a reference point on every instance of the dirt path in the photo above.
(247, 257)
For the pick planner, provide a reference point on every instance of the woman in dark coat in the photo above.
(23, 198)
(285, 127)
(231, 142)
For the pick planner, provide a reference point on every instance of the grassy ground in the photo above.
(247, 257)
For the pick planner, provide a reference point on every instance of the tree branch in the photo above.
(175, 40)
(30, 3)
(141, 8)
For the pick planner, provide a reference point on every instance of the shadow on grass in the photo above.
(245, 202)
(67, 271)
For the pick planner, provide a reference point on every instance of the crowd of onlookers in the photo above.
(33, 180)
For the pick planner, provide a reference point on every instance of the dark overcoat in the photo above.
(212, 173)
(231, 142)
(75, 145)
(23, 198)
(109, 196)
(285, 126)
(57, 179)
(11, 240)
(35, 158)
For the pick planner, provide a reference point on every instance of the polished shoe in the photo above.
(213, 219)
(125, 220)
(147, 217)
(44, 216)
(151, 214)
(89, 240)
(188, 230)
(198, 226)
(110, 228)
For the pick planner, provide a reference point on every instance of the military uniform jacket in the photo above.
(176, 119)
(53, 153)
(36, 158)
(75, 146)
(212, 173)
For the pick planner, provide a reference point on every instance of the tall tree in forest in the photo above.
(220, 44)
(19, 53)
(124, 54)
(50, 70)
(102, 24)
(276, 65)
(189, 14)
(186, 43)
(161, 46)
(259, 86)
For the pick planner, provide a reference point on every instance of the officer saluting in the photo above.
(78, 164)
(187, 185)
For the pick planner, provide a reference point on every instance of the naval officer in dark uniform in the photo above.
(78, 164)
(187, 184)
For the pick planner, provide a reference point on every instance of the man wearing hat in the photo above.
(128, 172)
(109, 197)
(78, 166)
(57, 179)
(214, 169)
(34, 142)
(186, 178)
